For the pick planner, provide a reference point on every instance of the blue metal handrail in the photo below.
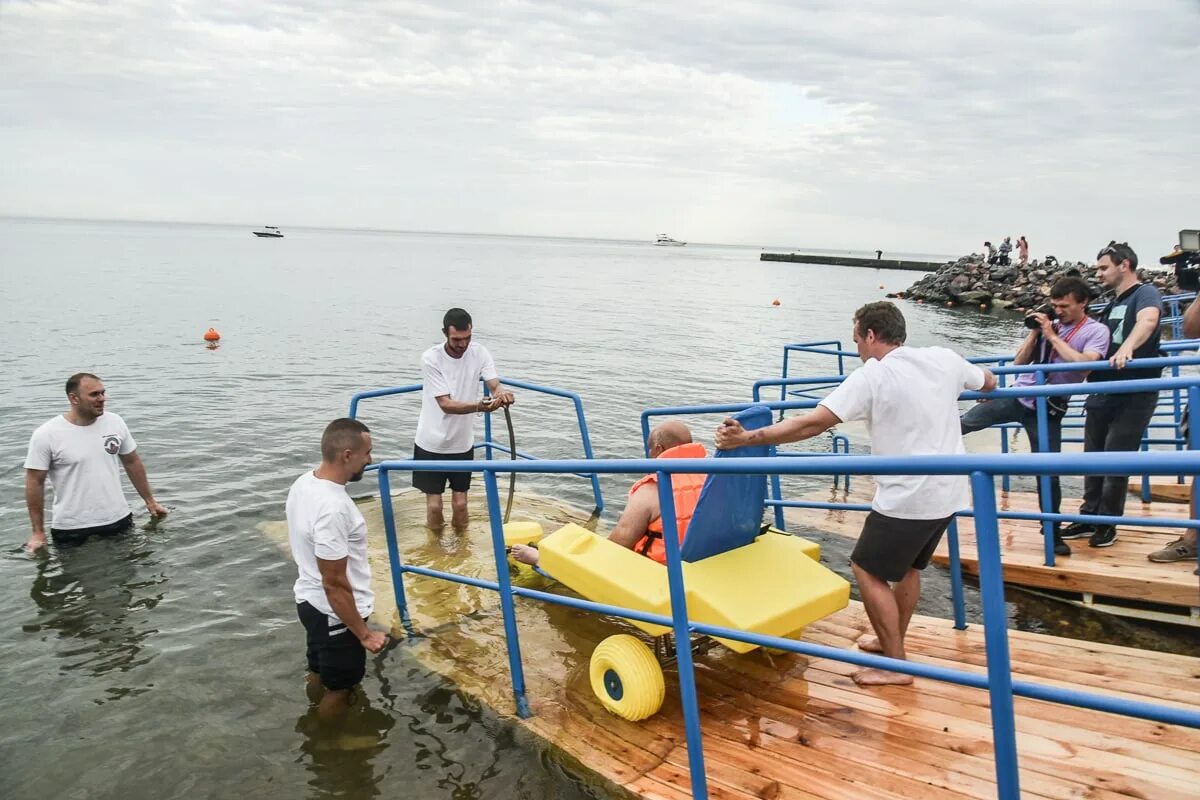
(1039, 392)
(981, 470)
(488, 445)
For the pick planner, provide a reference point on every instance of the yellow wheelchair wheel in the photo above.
(627, 678)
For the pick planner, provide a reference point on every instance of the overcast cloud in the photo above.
(915, 126)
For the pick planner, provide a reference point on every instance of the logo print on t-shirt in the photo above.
(112, 444)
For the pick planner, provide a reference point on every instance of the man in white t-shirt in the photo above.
(328, 536)
(908, 397)
(78, 451)
(450, 375)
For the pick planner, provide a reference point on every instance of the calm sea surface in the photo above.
(169, 663)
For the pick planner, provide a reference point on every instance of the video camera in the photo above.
(1047, 309)
(1186, 260)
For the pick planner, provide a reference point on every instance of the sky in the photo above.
(916, 126)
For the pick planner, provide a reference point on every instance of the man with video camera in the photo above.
(1060, 332)
(1116, 422)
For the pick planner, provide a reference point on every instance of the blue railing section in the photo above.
(489, 445)
(1039, 393)
(981, 469)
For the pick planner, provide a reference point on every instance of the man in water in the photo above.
(1074, 337)
(1116, 422)
(328, 537)
(908, 396)
(79, 451)
(640, 526)
(450, 375)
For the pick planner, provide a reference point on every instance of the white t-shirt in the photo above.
(437, 431)
(909, 402)
(83, 462)
(324, 523)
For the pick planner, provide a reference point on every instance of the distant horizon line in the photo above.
(793, 248)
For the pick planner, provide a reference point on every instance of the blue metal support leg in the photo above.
(511, 637)
(389, 529)
(995, 632)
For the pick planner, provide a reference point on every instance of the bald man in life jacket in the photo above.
(640, 525)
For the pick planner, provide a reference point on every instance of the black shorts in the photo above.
(889, 547)
(76, 535)
(435, 482)
(333, 652)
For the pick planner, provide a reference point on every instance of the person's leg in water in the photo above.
(434, 520)
(889, 621)
(313, 687)
(331, 711)
(458, 505)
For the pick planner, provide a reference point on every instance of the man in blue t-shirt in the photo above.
(1073, 337)
(1117, 421)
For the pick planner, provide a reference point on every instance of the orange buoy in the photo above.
(211, 335)
(881, 286)
(775, 302)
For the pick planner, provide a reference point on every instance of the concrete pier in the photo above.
(850, 261)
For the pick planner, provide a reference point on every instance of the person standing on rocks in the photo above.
(1005, 248)
(1022, 251)
(1116, 422)
(1074, 337)
(990, 258)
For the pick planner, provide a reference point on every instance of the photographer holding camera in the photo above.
(1060, 332)
(1116, 422)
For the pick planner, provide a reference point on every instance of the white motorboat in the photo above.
(666, 241)
(269, 232)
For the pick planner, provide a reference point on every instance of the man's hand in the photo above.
(36, 542)
(503, 399)
(1121, 357)
(157, 511)
(374, 641)
(731, 435)
(1046, 324)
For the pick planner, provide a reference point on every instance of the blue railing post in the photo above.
(783, 376)
(995, 632)
(586, 437)
(683, 638)
(956, 578)
(511, 637)
(1005, 482)
(1193, 394)
(777, 494)
(389, 530)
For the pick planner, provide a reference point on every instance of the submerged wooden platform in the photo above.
(1118, 579)
(785, 726)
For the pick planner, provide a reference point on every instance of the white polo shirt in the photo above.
(323, 522)
(909, 401)
(83, 466)
(441, 374)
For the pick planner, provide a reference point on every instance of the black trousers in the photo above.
(1115, 422)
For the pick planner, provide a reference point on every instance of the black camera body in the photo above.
(1186, 260)
(1046, 309)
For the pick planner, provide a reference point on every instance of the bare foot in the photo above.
(525, 554)
(870, 643)
(881, 677)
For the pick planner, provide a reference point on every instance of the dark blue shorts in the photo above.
(333, 651)
(77, 535)
(435, 482)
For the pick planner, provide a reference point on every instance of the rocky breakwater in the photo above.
(971, 282)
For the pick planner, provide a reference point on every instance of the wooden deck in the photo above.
(1119, 579)
(785, 726)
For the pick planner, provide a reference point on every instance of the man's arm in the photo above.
(449, 406)
(341, 599)
(35, 501)
(1143, 329)
(136, 471)
(990, 381)
(639, 512)
(805, 426)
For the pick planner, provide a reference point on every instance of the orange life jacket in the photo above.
(686, 489)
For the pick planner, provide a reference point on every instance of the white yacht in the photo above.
(269, 232)
(666, 241)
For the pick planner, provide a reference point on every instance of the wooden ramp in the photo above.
(781, 725)
(1118, 579)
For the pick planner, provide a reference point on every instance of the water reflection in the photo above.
(96, 596)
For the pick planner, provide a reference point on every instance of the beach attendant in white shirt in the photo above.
(450, 375)
(328, 536)
(908, 396)
(78, 451)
